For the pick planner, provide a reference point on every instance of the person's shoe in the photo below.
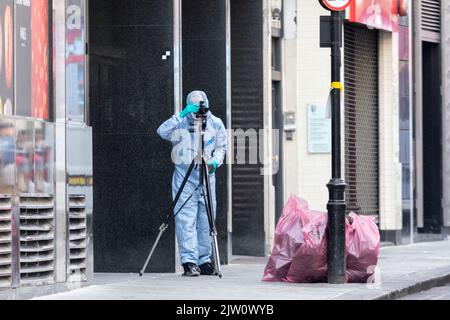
(207, 269)
(191, 270)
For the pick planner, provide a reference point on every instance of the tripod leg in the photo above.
(165, 225)
(183, 184)
(210, 212)
(187, 200)
(163, 228)
(208, 193)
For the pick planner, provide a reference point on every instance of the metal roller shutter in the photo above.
(247, 107)
(361, 119)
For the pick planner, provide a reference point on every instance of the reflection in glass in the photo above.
(7, 149)
(44, 157)
(25, 156)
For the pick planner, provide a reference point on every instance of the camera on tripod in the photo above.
(199, 116)
(203, 110)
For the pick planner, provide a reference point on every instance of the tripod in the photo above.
(204, 186)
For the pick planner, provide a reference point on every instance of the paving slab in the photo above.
(403, 270)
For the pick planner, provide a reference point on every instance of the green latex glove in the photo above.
(212, 166)
(189, 109)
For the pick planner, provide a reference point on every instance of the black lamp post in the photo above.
(331, 37)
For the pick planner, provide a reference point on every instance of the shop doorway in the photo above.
(432, 138)
(131, 88)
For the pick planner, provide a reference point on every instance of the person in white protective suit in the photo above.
(191, 223)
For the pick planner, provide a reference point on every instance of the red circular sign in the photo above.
(335, 5)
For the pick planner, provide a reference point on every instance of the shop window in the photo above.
(276, 53)
(31, 58)
(75, 60)
(24, 58)
(6, 58)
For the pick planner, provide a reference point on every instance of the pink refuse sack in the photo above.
(310, 262)
(300, 251)
(288, 238)
(363, 249)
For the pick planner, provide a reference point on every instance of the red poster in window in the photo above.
(378, 14)
(6, 58)
(39, 59)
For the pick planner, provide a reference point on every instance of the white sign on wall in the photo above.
(319, 128)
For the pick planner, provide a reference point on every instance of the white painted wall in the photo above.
(290, 104)
(313, 68)
(390, 166)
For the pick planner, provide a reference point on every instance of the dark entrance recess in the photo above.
(247, 113)
(131, 93)
(277, 123)
(432, 138)
(277, 126)
(204, 68)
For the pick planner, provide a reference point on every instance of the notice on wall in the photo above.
(319, 129)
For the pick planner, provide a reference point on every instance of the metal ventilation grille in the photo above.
(361, 119)
(431, 15)
(77, 237)
(37, 246)
(5, 240)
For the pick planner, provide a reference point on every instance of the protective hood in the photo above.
(196, 96)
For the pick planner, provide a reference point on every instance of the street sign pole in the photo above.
(336, 204)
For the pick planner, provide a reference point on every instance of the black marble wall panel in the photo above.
(204, 68)
(131, 94)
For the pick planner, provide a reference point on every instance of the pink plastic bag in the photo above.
(310, 262)
(288, 238)
(363, 248)
(300, 250)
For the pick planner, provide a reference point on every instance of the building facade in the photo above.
(370, 116)
(430, 76)
(388, 171)
(46, 162)
(85, 181)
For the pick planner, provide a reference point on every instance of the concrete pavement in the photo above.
(438, 293)
(403, 270)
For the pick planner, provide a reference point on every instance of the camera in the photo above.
(203, 111)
